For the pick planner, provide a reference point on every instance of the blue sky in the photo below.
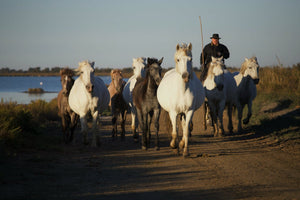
(64, 32)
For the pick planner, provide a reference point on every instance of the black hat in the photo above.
(215, 36)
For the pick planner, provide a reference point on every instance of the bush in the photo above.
(15, 122)
(43, 111)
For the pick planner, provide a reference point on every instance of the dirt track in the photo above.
(245, 166)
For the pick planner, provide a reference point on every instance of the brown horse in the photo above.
(145, 100)
(68, 117)
(117, 103)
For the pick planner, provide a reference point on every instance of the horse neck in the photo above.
(245, 83)
(151, 85)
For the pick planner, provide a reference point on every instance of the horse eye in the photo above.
(177, 60)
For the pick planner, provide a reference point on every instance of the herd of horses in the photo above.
(179, 92)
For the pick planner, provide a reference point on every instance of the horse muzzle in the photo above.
(89, 88)
(157, 81)
(65, 92)
(256, 81)
(186, 77)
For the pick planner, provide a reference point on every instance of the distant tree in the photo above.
(34, 69)
(55, 69)
(127, 70)
(46, 70)
(5, 70)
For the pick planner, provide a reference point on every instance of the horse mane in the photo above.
(141, 59)
(66, 72)
(85, 62)
(187, 49)
(245, 64)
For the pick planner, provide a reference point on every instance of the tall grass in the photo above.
(285, 80)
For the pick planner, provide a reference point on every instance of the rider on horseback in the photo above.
(214, 49)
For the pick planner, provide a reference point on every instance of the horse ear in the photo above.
(92, 64)
(149, 61)
(177, 47)
(213, 59)
(190, 46)
(246, 59)
(160, 61)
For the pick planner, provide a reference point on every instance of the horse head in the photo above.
(216, 73)
(86, 71)
(250, 67)
(66, 80)
(138, 65)
(117, 79)
(183, 60)
(154, 69)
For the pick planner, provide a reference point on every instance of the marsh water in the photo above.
(13, 88)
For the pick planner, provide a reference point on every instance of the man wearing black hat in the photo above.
(214, 49)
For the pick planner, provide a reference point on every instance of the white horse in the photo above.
(181, 92)
(246, 81)
(88, 94)
(220, 90)
(138, 66)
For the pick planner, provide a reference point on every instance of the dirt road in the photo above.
(244, 166)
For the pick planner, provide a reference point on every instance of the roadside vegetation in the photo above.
(275, 112)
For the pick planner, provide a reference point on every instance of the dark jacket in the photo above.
(209, 51)
(215, 51)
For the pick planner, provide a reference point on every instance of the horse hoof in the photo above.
(186, 154)
(173, 145)
(181, 144)
(245, 121)
(144, 148)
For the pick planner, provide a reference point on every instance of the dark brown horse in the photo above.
(69, 119)
(117, 103)
(145, 100)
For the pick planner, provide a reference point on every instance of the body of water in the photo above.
(12, 88)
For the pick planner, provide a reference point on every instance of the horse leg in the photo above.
(74, 119)
(240, 115)
(246, 121)
(185, 128)
(213, 114)
(83, 123)
(64, 128)
(143, 125)
(173, 116)
(156, 125)
(220, 118)
(229, 113)
(123, 119)
(134, 124)
(94, 136)
(148, 133)
(114, 125)
(183, 124)
(204, 115)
